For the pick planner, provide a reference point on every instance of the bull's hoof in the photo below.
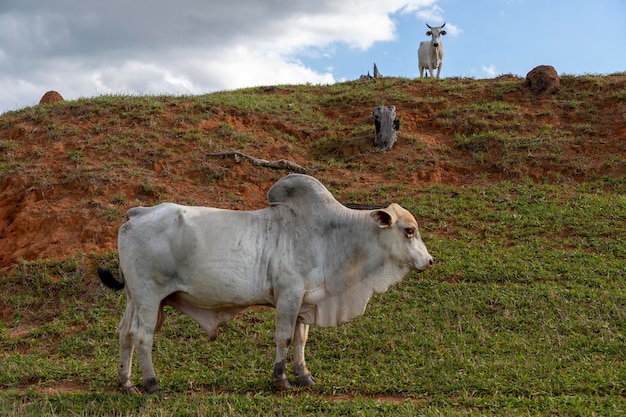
(151, 386)
(154, 390)
(282, 384)
(129, 390)
(303, 376)
(305, 380)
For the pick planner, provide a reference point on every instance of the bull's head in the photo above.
(403, 237)
(436, 32)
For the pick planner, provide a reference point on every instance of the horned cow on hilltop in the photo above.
(430, 53)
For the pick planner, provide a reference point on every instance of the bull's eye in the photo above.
(409, 232)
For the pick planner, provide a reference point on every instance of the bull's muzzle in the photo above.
(427, 265)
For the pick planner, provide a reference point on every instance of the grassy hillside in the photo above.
(521, 200)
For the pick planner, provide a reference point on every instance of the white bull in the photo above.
(313, 259)
(430, 53)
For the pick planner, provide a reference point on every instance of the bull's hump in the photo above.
(298, 187)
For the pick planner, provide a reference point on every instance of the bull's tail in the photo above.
(109, 280)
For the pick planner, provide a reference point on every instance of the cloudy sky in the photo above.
(86, 48)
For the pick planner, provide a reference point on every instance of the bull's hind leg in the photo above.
(143, 326)
(126, 351)
(301, 334)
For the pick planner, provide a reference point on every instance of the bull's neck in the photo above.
(437, 50)
(361, 227)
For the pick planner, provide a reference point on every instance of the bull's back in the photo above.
(187, 231)
(215, 256)
(148, 229)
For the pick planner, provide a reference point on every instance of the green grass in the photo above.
(523, 314)
(7, 160)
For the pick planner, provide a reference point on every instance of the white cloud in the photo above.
(433, 15)
(489, 70)
(134, 76)
(186, 47)
(244, 67)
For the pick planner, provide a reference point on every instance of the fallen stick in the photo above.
(278, 164)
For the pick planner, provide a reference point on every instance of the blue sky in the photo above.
(495, 37)
(86, 48)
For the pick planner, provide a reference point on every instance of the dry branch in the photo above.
(278, 164)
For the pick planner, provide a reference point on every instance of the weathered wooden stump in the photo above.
(377, 74)
(386, 127)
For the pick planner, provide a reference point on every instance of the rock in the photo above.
(543, 80)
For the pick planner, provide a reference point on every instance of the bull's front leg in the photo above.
(303, 376)
(281, 382)
(287, 309)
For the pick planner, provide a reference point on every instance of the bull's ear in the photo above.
(443, 32)
(384, 218)
(429, 33)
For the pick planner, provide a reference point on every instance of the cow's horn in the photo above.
(428, 26)
(444, 23)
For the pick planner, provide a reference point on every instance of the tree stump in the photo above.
(377, 74)
(387, 127)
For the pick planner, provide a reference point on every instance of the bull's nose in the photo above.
(435, 44)
(429, 263)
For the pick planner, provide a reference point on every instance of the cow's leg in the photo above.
(144, 323)
(438, 71)
(286, 316)
(126, 351)
(421, 72)
(303, 376)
